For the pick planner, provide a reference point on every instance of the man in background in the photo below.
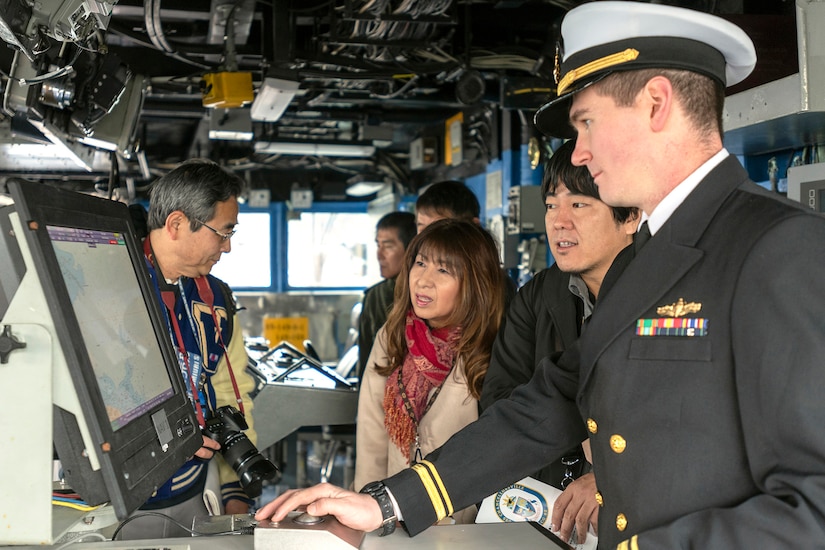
(446, 199)
(393, 233)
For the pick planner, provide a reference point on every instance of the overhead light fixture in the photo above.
(362, 185)
(273, 98)
(315, 148)
(230, 124)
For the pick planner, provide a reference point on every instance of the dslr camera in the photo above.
(226, 425)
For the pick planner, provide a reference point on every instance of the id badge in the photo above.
(190, 367)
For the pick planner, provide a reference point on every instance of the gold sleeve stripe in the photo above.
(435, 488)
(432, 491)
(441, 489)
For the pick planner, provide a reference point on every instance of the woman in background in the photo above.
(425, 373)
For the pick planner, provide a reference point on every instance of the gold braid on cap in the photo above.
(596, 65)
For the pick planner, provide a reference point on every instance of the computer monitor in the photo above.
(81, 323)
(806, 184)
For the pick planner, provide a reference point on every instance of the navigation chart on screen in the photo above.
(114, 322)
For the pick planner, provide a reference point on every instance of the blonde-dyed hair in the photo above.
(471, 254)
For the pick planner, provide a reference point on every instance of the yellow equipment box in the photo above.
(227, 90)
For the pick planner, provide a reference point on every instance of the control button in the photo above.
(307, 519)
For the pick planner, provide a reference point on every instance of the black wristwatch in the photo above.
(378, 491)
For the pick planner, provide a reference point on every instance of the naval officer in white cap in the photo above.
(700, 379)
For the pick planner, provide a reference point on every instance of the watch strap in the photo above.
(378, 491)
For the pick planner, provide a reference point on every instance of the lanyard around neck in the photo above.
(408, 406)
(402, 389)
(206, 294)
(168, 298)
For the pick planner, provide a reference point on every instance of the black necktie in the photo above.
(642, 236)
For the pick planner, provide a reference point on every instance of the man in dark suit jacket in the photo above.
(548, 313)
(700, 375)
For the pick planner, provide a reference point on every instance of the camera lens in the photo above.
(224, 426)
(252, 468)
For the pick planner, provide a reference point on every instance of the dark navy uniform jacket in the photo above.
(709, 440)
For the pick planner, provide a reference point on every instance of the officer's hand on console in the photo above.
(356, 510)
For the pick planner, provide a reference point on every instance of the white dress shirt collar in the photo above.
(671, 202)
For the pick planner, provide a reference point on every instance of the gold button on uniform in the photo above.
(599, 498)
(621, 522)
(617, 443)
(592, 427)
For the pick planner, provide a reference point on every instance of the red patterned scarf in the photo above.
(429, 360)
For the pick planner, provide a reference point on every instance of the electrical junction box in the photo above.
(260, 198)
(806, 184)
(300, 198)
(525, 210)
(423, 153)
(227, 90)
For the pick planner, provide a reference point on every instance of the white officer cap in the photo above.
(600, 38)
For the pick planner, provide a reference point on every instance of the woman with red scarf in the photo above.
(425, 373)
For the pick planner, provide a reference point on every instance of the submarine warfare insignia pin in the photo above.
(679, 309)
(673, 322)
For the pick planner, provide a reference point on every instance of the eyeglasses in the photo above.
(224, 236)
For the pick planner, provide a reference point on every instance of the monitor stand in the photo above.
(26, 438)
(33, 381)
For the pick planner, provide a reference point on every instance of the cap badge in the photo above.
(556, 65)
(679, 309)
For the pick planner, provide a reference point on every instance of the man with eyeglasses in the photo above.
(193, 211)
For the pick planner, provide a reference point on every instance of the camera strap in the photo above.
(206, 294)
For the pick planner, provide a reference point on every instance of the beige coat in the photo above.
(377, 456)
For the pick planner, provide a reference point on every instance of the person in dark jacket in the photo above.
(548, 312)
(454, 200)
(446, 199)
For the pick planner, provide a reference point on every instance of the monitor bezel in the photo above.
(39, 206)
(806, 185)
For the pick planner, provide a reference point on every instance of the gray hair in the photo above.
(194, 187)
